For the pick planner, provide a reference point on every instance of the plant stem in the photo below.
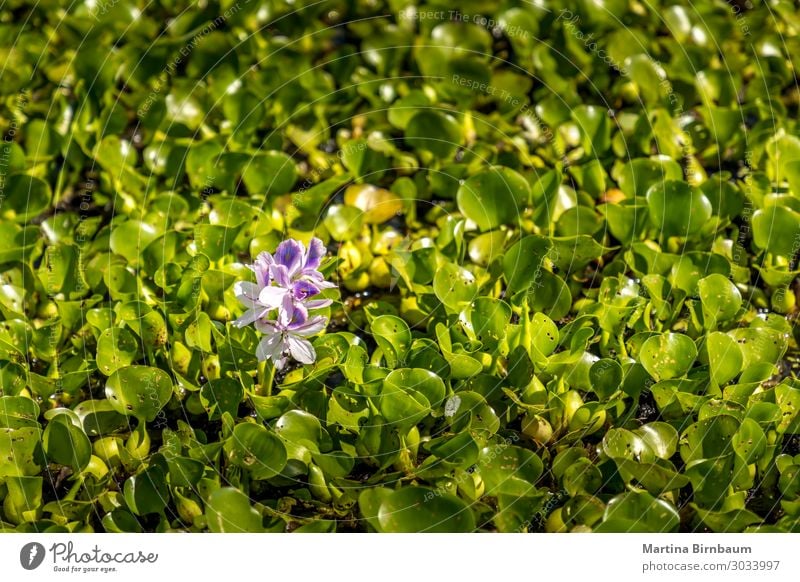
(266, 377)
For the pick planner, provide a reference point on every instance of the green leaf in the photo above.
(606, 377)
(228, 510)
(116, 348)
(139, 391)
(494, 197)
(409, 394)
(270, 174)
(750, 442)
(662, 438)
(720, 298)
(435, 132)
(523, 263)
(454, 286)
(595, 128)
(776, 229)
(393, 336)
(147, 492)
(301, 429)
(667, 355)
(25, 197)
(18, 451)
(639, 512)
(66, 444)
(221, 395)
(489, 319)
(677, 209)
(253, 448)
(724, 357)
(131, 237)
(508, 469)
(424, 510)
(18, 412)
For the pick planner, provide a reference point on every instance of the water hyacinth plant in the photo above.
(566, 287)
(278, 303)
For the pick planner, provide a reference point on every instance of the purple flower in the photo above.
(292, 272)
(287, 336)
(279, 301)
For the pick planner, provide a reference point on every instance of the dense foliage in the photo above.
(564, 239)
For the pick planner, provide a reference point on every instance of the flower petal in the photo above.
(291, 313)
(316, 250)
(301, 350)
(290, 254)
(272, 297)
(280, 274)
(317, 279)
(317, 303)
(247, 293)
(249, 316)
(280, 362)
(311, 327)
(303, 289)
(261, 268)
(270, 347)
(267, 326)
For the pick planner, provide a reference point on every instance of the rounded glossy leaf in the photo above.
(582, 478)
(377, 204)
(424, 510)
(508, 469)
(759, 346)
(662, 438)
(619, 443)
(409, 394)
(489, 319)
(25, 197)
(221, 395)
(550, 295)
(18, 451)
(454, 286)
(639, 512)
(270, 173)
(147, 492)
(668, 355)
(301, 428)
(419, 380)
(139, 391)
(776, 229)
(493, 197)
(725, 359)
(228, 511)
(721, 299)
(606, 377)
(369, 504)
(544, 334)
(435, 132)
(131, 237)
(523, 264)
(116, 348)
(750, 442)
(18, 412)
(639, 175)
(66, 444)
(121, 521)
(99, 417)
(343, 222)
(255, 449)
(393, 336)
(486, 247)
(678, 209)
